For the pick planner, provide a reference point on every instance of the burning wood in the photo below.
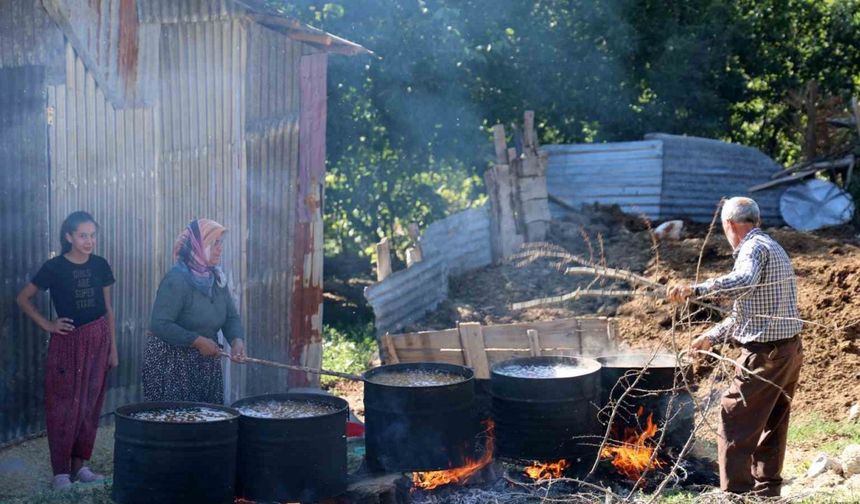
(540, 472)
(634, 455)
(434, 479)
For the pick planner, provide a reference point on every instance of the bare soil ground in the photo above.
(827, 264)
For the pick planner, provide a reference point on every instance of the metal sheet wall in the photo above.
(698, 172)
(186, 11)
(104, 161)
(629, 174)
(23, 171)
(29, 37)
(272, 144)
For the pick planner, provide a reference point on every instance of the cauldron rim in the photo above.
(126, 411)
(465, 372)
(594, 366)
(639, 359)
(342, 404)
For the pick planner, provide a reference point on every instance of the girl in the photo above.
(82, 347)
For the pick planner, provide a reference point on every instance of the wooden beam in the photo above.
(413, 256)
(390, 352)
(383, 259)
(534, 342)
(500, 144)
(529, 127)
(472, 339)
(855, 109)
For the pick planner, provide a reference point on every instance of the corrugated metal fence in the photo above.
(453, 245)
(662, 177)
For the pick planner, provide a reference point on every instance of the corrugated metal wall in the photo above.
(272, 146)
(628, 174)
(29, 37)
(23, 171)
(203, 163)
(104, 161)
(698, 172)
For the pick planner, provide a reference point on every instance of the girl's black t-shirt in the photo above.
(77, 290)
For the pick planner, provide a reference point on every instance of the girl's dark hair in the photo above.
(70, 225)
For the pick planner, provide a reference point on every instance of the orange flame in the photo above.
(540, 472)
(634, 456)
(434, 479)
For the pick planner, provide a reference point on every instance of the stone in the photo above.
(669, 230)
(822, 464)
(854, 412)
(850, 459)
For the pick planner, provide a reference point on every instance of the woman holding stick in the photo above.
(82, 348)
(182, 358)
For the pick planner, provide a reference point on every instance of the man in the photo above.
(765, 323)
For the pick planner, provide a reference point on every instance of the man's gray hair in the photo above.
(740, 209)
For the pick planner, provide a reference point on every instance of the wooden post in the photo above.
(530, 139)
(474, 352)
(534, 342)
(505, 238)
(383, 259)
(414, 254)
(390, 352)
(810, 142)
(500, 144)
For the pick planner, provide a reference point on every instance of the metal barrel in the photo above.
(181, 463)
(292, 459)
(420, 428)
(546, 418)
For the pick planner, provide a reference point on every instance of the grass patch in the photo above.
(827, 436)
(347, 350)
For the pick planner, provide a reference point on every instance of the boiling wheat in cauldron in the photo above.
(416, 378)
(542, 371)
(287, 409)
(195, 414)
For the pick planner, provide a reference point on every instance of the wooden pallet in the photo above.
(478, 347)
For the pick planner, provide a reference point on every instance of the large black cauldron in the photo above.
(292, 459)
(546, 418)
(659, 392)
(174, 463)
(419, 428)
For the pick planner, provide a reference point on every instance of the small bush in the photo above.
(347, 350)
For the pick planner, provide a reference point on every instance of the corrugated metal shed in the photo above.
(24, 226)
(222, 117)
(628, 174)
(29, 38)
(698, 172)
(663, 177)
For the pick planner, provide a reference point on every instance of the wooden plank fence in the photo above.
(479, 347)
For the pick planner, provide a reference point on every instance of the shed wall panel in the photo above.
(24, 224)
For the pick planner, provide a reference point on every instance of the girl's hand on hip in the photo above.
(206, 347)
(62, 325)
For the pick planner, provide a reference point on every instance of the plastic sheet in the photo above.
(815, 204)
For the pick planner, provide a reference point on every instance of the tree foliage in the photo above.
(408, 135)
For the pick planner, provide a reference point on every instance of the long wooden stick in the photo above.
(264, 362)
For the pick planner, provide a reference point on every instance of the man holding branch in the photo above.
(765, 323)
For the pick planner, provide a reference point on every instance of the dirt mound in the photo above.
(827, 264)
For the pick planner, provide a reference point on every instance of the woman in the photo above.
(82, 348)
(192, 304)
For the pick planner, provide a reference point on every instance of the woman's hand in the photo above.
(206, 347)
(237, 350)
(62, 325)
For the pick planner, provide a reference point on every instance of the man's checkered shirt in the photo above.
(762, 283)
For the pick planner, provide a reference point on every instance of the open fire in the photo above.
(540, 472)
(433, 479)
(634, 455)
